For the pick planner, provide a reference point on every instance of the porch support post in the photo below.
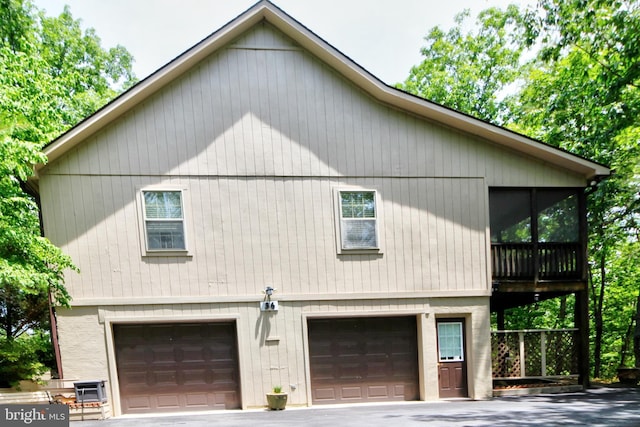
(583, 262)
(523, 361)
(502, 345)
(581, 316)
(543, 353)
(582, 344)
(534, 235)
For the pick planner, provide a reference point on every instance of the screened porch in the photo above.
(538, 252)
(537, 238)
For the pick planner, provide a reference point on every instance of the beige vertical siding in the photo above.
(264, 112)
(259, 154)
(245, 233)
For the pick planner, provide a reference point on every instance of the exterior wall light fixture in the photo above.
(267, 304)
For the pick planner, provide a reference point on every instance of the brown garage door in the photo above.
(175, 367)
(363, 359)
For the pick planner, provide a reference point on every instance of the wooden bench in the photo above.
(77, 411)
(89, 411)
(42, 397)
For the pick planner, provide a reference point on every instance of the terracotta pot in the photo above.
(276, 401)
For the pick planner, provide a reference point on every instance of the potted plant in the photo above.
(277, 399)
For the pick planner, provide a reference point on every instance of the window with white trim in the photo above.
(164, 226)
(358, 220)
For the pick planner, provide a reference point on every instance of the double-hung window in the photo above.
(164, 225)
(358, 220)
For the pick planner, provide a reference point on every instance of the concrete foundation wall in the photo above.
(273, 347)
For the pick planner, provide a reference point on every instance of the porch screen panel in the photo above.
(558, 216)
(510, 213)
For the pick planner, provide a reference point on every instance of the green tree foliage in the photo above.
(30, 266)
(52, 74)
(470, 72)
(620, 302)
(582, 95)
(578, 91)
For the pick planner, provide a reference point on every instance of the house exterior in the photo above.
(262, 211)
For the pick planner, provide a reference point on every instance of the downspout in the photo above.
(54, 336)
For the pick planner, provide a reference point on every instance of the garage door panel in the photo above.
(323, 371)
(165, 378)
(132, 377)
(400, 390)
(347, 371)
(321, 394)
(347, 350)
(362, 359)
(380, 391)
(351, 393)
(401, 367)
(224, 377)
(196, 400)
(378, 346)
(194, 377)
(377, 370)
(322, 349)
(137, 403)
(168, 402)
(160, 354)
(163, 368)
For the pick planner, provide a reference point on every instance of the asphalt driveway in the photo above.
(603, 406)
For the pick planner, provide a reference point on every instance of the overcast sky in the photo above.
(383, 36)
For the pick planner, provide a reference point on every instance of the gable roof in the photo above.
(265, 10)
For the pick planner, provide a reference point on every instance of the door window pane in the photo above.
(450, 341)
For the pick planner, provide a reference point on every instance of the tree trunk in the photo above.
(562, 313)
(8, 315)
(597, 318)
(581, 320)
(624, 348)
(636, 335)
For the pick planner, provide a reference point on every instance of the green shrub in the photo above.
(24, 358)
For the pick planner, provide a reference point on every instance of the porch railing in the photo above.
(539, 261)
(534, 353)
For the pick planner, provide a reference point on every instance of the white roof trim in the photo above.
(342, 64)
